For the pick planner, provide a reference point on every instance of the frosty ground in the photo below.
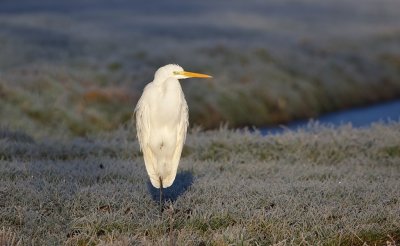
(319, 185)
(79, 67)
(72, 70)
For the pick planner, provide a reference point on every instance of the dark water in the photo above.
(357, 117)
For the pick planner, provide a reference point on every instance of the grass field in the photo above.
(78, 67)
(71, 172)
(317, 186)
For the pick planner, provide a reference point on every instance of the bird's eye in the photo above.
(176, 73)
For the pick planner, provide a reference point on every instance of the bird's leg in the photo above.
(161, 202)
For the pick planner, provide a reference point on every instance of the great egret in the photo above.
(161, 122)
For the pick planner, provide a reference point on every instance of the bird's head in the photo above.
(177, 72)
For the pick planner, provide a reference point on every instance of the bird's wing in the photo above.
(180, 140)
(142, 122)
(143, 133)
(183, 123)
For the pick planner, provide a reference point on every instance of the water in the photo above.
(357, 117)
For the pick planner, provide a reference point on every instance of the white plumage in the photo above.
(161, 122)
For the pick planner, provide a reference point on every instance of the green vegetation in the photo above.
(316, 186)
(81, 71)
(81, 101)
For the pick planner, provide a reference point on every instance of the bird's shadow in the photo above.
(182, 182)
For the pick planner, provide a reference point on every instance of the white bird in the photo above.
(161, 123)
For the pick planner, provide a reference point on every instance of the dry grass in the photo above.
(316, 186)
(9, 238)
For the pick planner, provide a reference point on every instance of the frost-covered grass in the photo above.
(79, 67)
(316, 186)
(76, 68)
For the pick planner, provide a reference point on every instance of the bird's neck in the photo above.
(159, 81)
(165, 83)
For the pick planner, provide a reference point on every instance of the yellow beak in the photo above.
(195, 75)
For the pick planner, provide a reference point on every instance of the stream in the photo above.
(357, 117)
